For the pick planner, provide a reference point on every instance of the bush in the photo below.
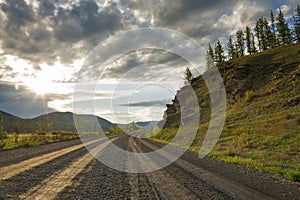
(294, 176)
(116, 130)
(2, 145)
(249, 95)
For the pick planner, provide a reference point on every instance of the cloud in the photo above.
(84, 20)
(46, 8)
(148, 103)
(146, 65)
(19, 101)
(43, 45)
(18, 12)
(43, 30)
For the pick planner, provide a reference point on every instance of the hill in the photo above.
(147, 125)
(49, 122)
(262, 128)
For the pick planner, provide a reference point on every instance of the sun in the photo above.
(45, 80)
(39, 86)
(42, 83)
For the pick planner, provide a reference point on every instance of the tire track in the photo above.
(53, 185)
(78, 175)
(97, 181)
(212, 181)
(15, 169)
(19, 184)
(166, 185)
(14, 156)
(141, 187)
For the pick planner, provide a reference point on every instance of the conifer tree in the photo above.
(211, 52)
(273, 29)
(219, 53)
(1, 127)
(270, 40)
(260, 34)
(297, 25)
(231, 48)
(240, 43)
(263, 34)
(188, 76)
(248, 40)
(253, 47)
(284, 32)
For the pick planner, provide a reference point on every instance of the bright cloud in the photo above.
(43, 46)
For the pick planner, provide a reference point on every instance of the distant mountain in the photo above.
(49, 122)
(147, 125)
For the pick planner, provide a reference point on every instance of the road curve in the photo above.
(73, 173)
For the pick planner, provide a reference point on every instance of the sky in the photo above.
(45, 45)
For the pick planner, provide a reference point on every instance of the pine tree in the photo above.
(248, 40)
(211, 52)
(209, 62)
(240, 43)
(219, 53)
(284, 32)
(231, 48)
(270, 40)
(1, 127)
(273, 29)
(260, 34)
(297, 25)
(188, 76)
(253, 47)
(264, 34)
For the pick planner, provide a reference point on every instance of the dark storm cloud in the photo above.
(170, 13)
(50, 29)
(39, 34)
(84, 20)
(54, 30)
(140, 59)
(20, 102)
(46, 8)
(19, 15)
(180, 10)
(18, 12)
(70, 29)
(198, 18)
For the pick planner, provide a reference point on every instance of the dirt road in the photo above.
(68, 171)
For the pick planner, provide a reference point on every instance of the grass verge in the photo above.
(13, 141)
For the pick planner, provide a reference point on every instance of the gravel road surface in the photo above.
(68, 171)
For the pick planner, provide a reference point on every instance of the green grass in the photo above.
(276, 155)
(262, 128)
(13, 141)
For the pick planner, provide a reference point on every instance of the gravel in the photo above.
(189, 173)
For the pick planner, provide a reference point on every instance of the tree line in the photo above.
(265, 35)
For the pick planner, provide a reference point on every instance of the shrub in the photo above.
(293, 176)
(249, 95)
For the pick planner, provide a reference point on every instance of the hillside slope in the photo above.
(262, 128)
(48, 122)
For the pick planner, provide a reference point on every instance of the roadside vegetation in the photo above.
(14, 140)
(261, 78)
(262, 128)
(40, 136)
(131, 128)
